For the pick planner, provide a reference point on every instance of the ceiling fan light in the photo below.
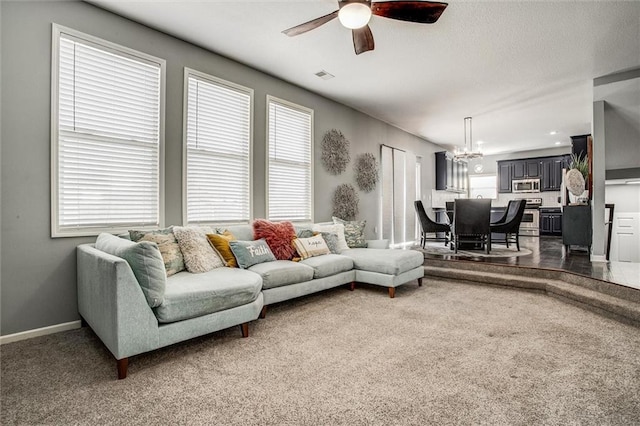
(354, 15)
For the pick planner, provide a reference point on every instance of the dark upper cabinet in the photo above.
(504, 176)
(526, 169)
(579, 145)
(547, 169)
(450, 175)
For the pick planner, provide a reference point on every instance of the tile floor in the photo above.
(549, 253)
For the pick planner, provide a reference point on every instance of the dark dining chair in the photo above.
(505, 213)
(510, 227)
(472, 223)
(449, 210)
(429, 226)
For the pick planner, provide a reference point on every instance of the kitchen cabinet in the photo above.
(528, 168)
(551, 176)
(504, 176)
(550, 221)
(451, 175)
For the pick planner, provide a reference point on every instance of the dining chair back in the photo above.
(430, 227)
(511, 225)
(472, 223)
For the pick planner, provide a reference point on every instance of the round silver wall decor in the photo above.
(335, 152)
(345, 202)
(366, 172)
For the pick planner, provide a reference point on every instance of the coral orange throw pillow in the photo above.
(279, 236)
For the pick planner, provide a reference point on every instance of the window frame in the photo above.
(185, 111)
(82, 231)
(272, 99)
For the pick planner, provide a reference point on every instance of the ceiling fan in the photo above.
(355, 15)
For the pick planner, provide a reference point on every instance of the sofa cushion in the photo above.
(337, 229)
(329, 264)
(167, 244)
(282, 272)
(199, 255)
(278, 235)
(221, 243)
(310, 247)
(332, 241)
(193, 295)
(249, 253)
(145, 261)
(385, 261)
(241, 232)
(353, 232)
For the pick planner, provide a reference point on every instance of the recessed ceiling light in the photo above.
(553, 132)
(324, 75)
(480, 142)
(558, 143)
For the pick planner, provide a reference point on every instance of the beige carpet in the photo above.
(445, 353)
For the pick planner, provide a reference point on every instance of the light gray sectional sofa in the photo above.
(112, 303)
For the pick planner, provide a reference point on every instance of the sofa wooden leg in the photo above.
(245, 329)
(123, 366)
(263, 312)
(352, 286)
(419, 282)
(392, 292)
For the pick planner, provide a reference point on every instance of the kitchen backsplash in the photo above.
(549, 199)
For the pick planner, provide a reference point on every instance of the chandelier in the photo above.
(468, 153)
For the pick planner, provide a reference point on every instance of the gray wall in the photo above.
(38, 273)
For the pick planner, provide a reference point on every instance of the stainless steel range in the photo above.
(530, 225)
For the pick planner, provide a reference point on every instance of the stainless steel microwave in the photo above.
(525, 185)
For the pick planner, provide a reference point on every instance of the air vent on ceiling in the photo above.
(324, 75)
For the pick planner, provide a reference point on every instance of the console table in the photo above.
(576, 227)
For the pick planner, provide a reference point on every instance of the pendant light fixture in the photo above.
(468, 153)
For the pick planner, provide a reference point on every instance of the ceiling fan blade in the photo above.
(308, 26)
(363, 39)
(423, 12)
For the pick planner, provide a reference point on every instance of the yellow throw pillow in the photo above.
(221, 243)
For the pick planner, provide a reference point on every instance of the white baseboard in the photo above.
(599, 258)
(30, 334)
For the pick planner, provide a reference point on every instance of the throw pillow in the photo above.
(332, 241)
(337, 229)
(353, 232)
(305, 233)
(278, 236)
(199, 255)
(310, 247)
(168, 245)
(145, 261)
(221, 243)
(249, 253)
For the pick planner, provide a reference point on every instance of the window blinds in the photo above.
(218, 139)
(290, 169)
(108, 138)
(400, 177)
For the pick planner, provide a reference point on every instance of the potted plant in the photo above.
(576, 179)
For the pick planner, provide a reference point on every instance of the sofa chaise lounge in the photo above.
(112, 303)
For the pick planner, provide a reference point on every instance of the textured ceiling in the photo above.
(520, 68)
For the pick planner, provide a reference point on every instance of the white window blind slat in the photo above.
(218, 139)
(108, 137)
(290, 168)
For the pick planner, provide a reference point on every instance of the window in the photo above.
(218, 136)
(107, 132)
(482, 186)
(289, 161)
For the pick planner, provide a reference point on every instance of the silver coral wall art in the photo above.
(345, 202)
(335, 152)
(366, 172)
